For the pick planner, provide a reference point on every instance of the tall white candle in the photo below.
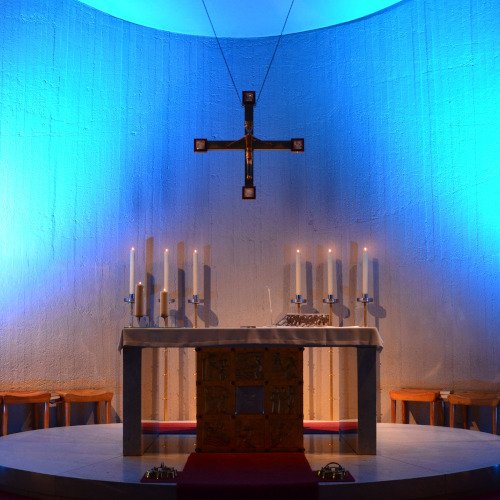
(330, 273)
(165, 270)
(297, 273)
(195, 272)
(132, 271)
(365, 271)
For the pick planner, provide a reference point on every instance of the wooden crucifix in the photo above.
(249, 143)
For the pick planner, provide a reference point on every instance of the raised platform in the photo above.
(86, 462)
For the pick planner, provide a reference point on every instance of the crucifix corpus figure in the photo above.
(249, 143)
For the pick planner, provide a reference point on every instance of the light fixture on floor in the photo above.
(333, 471)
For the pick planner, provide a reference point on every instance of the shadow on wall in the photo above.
(374, 308)
(204, 310)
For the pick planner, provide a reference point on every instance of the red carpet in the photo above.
(189, 427)
(247, 476)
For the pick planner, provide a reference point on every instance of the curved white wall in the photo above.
(97, 118)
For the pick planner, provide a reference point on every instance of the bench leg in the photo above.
(5, 417)
(452, 415)
(432, 410)
(404, 412)
(494, 420)
(46, 415)
(393, 411)
(107, 407)
(67, 413)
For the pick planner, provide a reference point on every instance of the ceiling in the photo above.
(238, 18)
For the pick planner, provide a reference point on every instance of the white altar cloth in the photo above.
(252, 337)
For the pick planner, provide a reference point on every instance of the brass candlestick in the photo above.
(365, 299)
(330, 300)
(298, 301)
(196, 301)
(131, 300)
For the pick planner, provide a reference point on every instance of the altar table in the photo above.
(365, 340)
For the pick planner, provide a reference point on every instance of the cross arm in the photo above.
(204, 145)
(295, 145)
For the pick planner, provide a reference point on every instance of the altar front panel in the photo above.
(249, 399)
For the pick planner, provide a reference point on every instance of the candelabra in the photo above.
(330, 300)
(298, 301)
(131, 300)
(196, 301)
(365, 299)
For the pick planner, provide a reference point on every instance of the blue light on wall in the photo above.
(97, 117)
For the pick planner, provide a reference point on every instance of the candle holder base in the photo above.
(365, 299)
(330, 299)
(298, 301)
(195, 300)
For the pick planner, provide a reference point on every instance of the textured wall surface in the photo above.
(400, 116)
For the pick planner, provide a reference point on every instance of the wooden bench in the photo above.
(431, 396)
(25, 397)
(97, 396)
(470, 398)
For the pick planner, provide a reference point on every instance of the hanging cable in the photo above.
(270, 62)
(221, 51)
(274, 53)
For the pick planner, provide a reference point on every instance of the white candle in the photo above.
(195, 272)
(330, 273)
(365, 271)
(132, 271)
(297, 273)
(165, 270)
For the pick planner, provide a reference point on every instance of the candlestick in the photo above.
(297, 273)
(365, 272)
(131, 299)
(132, 271)
(329, 273)
(165, 270)
(139, 306)
(330, 300)
(196, 301)
(365, 299)
(195, 273)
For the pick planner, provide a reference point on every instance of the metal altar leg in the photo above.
(367, 400)
(132, 432)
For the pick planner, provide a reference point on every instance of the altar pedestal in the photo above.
(366, 341)
(249, 399)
